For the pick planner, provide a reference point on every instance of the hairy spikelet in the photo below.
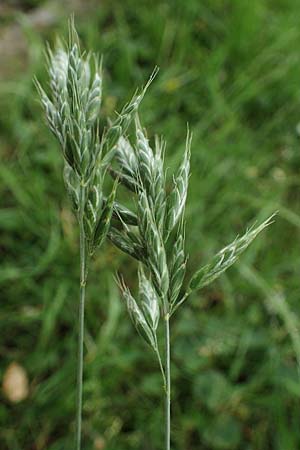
(120, 126)
(137, 315)
(177, 198)
(132, 184)
(94, 204)
(226, 257)
(126, 157)
(84, 99)
(145, 157)
(72, 183)
(151, 175)
(177, 266)
(123, 214)
(58, 73)
(94, 96)
(54, 120)
(149, 300)
(152, 241)
(158, 189)
(128, 243)
(103, 224)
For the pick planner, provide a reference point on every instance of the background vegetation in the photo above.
(230, 68)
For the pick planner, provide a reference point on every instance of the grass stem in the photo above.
(160, 363)
(83, 263)
(168, 383)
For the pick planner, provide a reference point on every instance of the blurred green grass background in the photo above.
(229, 68)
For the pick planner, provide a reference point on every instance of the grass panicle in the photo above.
(160, 219)
(155, 234)
(72, 109)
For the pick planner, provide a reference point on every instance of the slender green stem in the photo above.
(168, 383)
(160, 362)
(83, 264)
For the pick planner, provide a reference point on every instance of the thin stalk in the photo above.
(83, 274)
(168, 383)
(160, 363)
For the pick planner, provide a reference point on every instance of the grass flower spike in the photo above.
(158, 243)
(72, 110)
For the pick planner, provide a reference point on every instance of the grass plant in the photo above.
(72, 110)
(158, 243)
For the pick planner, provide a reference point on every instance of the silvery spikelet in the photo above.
(157, 241)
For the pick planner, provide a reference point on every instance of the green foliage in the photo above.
(224, 433)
